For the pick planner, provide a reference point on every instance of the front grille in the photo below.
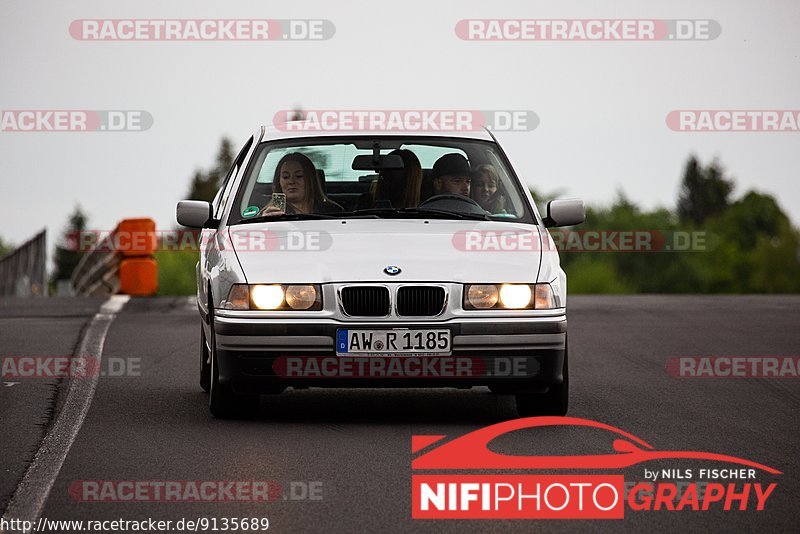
(365, 301)
(420, 301)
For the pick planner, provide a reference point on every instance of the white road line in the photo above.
(31, 495)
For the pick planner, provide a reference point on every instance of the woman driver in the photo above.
(296, 177)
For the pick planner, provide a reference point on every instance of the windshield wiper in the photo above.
(287, 217)
(390, 213)
(447, 213)
(371, 211)
(424, 213)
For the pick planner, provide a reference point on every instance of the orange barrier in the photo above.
(138, 277)
(136, 243)
(135, 237)
(122, 262)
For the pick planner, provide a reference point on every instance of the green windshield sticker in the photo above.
(250, 211)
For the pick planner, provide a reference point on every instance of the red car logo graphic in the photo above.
(471, 450)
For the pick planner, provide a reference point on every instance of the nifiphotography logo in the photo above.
(506, 494)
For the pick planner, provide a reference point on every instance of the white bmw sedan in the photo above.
(379, 260)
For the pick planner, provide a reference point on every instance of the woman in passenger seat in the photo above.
(399, 188)
(296, 177)
(487, 189)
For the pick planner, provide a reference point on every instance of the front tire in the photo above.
(205, 362)
(222, 401)
(554, 402)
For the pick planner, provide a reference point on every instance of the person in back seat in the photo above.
(400, 186)
(296, 177)
(488, 190)
(395, 188)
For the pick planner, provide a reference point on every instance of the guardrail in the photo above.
(121, 262)
(23, 270)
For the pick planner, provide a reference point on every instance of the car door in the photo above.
(210, 244)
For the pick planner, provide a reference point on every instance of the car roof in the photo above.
(282, 131)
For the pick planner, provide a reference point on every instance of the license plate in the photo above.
(394, 341)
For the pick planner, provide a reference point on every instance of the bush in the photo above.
(176, 272)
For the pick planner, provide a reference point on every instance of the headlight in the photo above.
(274, 297)
(301, 297)
(509, 297)
(515, 296)
(266, 297)
(482, 297)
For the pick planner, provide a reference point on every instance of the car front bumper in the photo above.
(266, 355)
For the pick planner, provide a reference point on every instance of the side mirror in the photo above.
(194, 213)
(566, 212)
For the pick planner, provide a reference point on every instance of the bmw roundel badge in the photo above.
(392, 270)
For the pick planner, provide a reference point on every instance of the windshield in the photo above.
(379, 178)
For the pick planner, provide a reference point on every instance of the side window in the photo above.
(223, 193)
(513, 201)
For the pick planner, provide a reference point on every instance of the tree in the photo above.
(205, 185)
(68, 253)
(704, 192)
(758, 249)
(5, 247)
(752, 216)
(649, 269)
(541, 198)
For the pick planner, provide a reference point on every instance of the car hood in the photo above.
(346, 250)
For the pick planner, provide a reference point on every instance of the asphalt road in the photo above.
(33, 328)
(352, 447)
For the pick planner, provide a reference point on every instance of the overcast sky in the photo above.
(602, 105)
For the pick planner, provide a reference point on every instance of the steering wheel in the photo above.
(451, 196)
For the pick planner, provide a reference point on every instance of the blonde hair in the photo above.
(497, 203)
